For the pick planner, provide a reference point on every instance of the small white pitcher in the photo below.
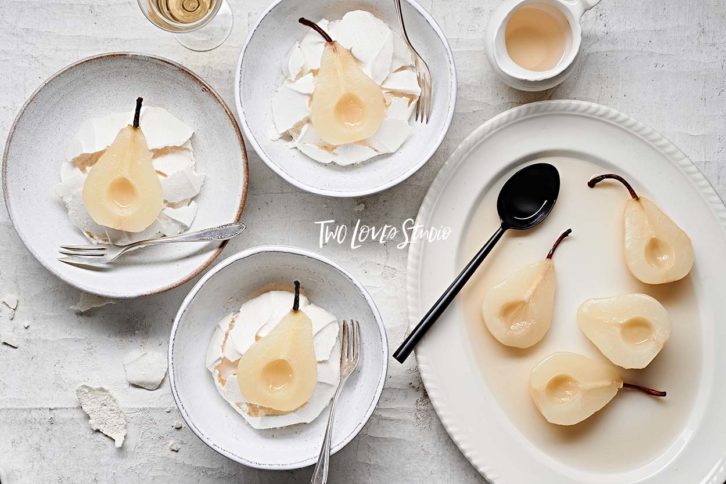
(517, 76)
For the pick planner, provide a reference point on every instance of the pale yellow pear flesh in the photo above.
(347, 106)
(657, 251)
(122, 191)
(518, 311)
(567, 388)
(629, 330)
(280, 371)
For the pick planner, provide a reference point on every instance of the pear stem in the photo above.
(137, 113)
(557, 243)
(315, 27)
(296, 302)
(612, 176)
(649, 391)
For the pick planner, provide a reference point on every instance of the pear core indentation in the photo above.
(659, 254)
(636, 331)
(562, 388)
(277, 374)
(122, 192)
(513, 314)
(350, 110)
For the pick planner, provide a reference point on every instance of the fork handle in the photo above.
(223, 232)
(320, 474)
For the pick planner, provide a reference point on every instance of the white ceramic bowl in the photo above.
(38, 143)
(259, 73)
(220, 292)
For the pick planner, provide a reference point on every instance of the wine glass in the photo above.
(199, 25)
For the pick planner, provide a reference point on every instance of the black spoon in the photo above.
(524, 201)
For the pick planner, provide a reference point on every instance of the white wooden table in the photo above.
(660, 61)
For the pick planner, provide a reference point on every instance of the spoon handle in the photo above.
(440, 306)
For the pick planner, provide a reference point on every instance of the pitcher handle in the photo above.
(581, 6)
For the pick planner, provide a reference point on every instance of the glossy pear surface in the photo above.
(630, 330)
(518, 310)
(122, 191)
(657, 250)
(567, 388)
(347, 106)
(280, 371)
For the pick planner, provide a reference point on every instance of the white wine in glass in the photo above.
(200, 25)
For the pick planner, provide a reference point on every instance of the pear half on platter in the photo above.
(657, 251)
(347, 106)
(280, 370)
(518, 310)
(122, 190)
(630, 329)
(568, 388)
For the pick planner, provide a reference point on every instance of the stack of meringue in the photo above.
(237, 332)
(383, 56)
(169, 139)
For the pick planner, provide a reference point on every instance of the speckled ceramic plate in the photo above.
(479, 388)
(108, 83)
(220, 292)
(259, 73)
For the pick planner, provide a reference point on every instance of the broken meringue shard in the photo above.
(236, 335)
(103, 411)
(88, 301)
(145, 370)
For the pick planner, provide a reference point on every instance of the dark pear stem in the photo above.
(296, 302)
(612, 176)
(315, 27)
(649, 391)
(137, 113)
(557, 243)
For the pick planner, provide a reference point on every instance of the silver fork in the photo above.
(349, 357)
(100, 255)
(423, 74)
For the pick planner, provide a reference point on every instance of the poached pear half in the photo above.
(629, 329)
(347, 106)
(280, 370)
(568, 388)
(657, 251)
(122, 190)
(518, 310)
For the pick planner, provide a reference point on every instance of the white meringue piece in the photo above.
(390, 136)
(304, 85)
(182, 185)
(312, 46)
(370, 41)
(295, 63)
(403, 81)
(402, 55)
(182, 215)
(289, 108)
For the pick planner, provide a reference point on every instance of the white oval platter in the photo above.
(479, 388)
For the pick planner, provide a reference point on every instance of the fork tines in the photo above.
(424, 103)
(350, 343)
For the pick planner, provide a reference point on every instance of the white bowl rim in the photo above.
(223, 265)
(358, 193)
(195, 78)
